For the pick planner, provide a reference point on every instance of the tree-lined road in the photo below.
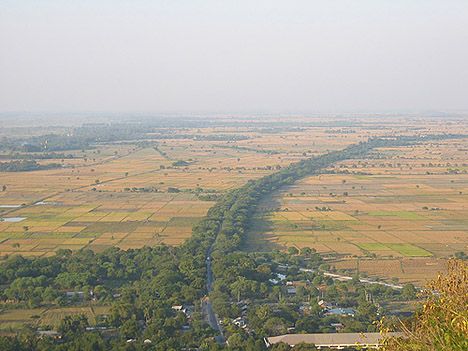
(206, 303)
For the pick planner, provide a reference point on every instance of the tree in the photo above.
(304, 347)
(281, 347)
(276, 326)
(73, 325)
(129, 329)
(239, 287)
(235, 341)
(408, 292)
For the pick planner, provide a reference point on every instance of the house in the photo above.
(178, 308)
(337, 326)
(325, 305)
(244, 308)
(49, 334)
(297, 283)
(240, 322)
(306, 270)
(185, 309)
(74, 294)
(96, 328)
(279, 278)
(291, 290)
(335, 341)
(339, 311)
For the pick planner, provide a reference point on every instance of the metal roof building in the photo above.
(330, 340)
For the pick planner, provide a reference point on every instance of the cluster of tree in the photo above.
(25, 166)
(440, 324)
(139, 285)
(340, 131)
(250, 280)
(245, 148)
(208, 197)
(162, 332)
(79, 138)
(142, 190)
(36, 281)
(180, 163)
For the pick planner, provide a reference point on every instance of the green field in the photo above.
(409, 250)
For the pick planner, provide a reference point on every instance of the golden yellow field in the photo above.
(130, 195)
(398, 213)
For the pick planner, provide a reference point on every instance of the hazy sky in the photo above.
(239, 56)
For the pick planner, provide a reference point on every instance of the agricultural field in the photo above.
(400, 213)
(133, 193)
(12, 320)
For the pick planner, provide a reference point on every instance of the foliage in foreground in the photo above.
(442, 323)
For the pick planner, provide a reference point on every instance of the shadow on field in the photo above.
(260, 235)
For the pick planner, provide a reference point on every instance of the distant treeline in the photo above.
(37, 156)
(244, 148)
(26, 165)
(88, 136)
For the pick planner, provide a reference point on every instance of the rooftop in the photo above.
(330, 340)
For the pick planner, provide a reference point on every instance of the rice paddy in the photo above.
(406, 206)
(129, 195)
(399, 204)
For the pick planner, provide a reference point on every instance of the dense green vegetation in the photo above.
(26, 165)
(139, 285)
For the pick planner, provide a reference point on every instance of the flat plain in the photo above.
(133, 194)
(400, 213)
(404, 208)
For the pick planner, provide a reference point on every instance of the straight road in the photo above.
(206, 303)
